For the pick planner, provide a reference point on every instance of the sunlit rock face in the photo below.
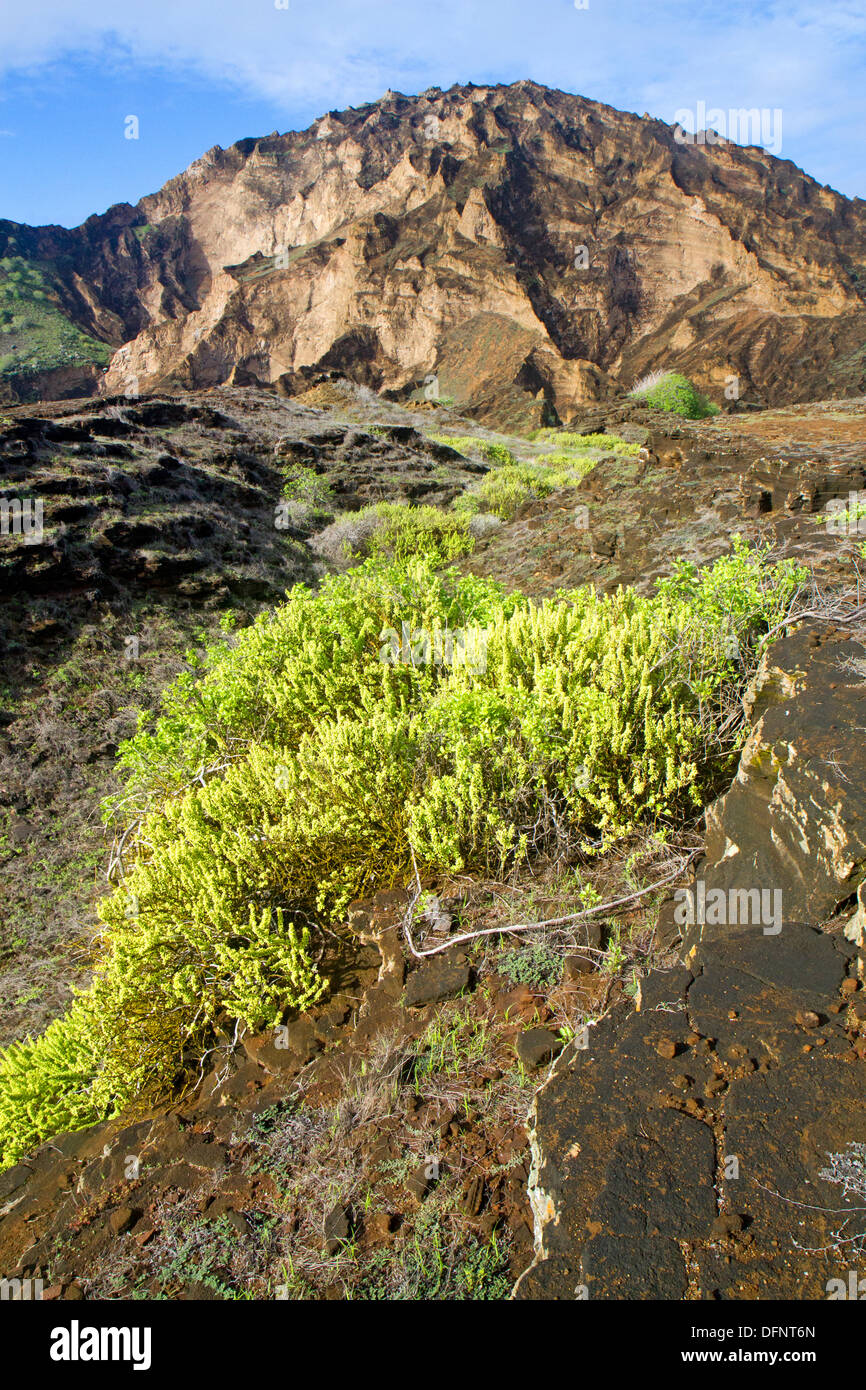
(475, 242)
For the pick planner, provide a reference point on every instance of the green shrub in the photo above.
(676, 394)
(307, 764)
(504, 490)
(307, 486)
(578, 465)
(493, 453)
(536, 965)
(406, 532)
(396, 531)
(567, 439)
(468, 503)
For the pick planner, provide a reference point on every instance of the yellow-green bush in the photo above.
(492, 452)
(403, 532)
(567, 439)
(504, 490)
(306, 764)
(572, 466)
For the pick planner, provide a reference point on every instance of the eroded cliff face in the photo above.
(496, 239)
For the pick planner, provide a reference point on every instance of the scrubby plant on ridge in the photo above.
(492, 452)
(305, 767)
(673, 392)
(396, 531)
(568, 439)
(504, 490)
(511, 481)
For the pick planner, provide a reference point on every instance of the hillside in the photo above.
(350, 1121)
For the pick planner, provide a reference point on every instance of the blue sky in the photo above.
(198, 73)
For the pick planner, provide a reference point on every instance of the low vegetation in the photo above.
(35, 334)
(402, 715)
(673, 392)
(568, 440)
(491, 451)
(395, 531)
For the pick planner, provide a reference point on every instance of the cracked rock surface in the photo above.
(679, 1154)
(690, 1150)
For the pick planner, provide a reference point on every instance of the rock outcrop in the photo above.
(688, 1150)
(691, 1146)
(794, 819)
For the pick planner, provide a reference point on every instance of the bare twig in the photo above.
(535, 926)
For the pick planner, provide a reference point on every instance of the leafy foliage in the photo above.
(675, 393)
(504, 490)
(303, 765)
(307, 486)
(401, 532)
(535, 965)
(567, 439)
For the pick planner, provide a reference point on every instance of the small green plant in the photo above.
(567, 439)
(673, 392)
(449, 1045)
(490, 450)
(614, 957)
(307, 486)
(537, 966)
(438, 1260)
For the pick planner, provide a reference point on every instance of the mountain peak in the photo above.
(529, 248)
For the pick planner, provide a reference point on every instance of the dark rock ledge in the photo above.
(687, 1152)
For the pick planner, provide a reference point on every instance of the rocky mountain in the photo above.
(519, 250)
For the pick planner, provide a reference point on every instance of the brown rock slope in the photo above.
(439, 237)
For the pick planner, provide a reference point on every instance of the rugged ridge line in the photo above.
(438, 239)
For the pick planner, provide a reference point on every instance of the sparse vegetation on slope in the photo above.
(401, 713)
(568, 440)
(494, 453)
(35, 334)
(395, 531)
